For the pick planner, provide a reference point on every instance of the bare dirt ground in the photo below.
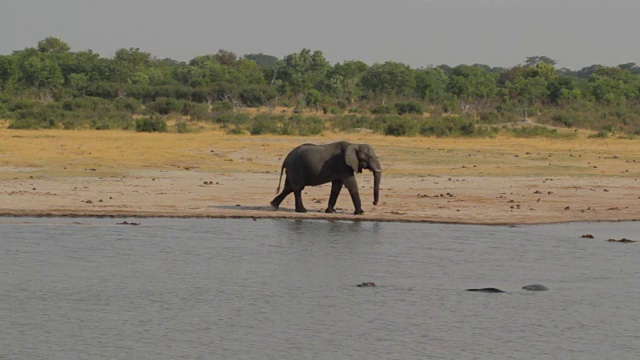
(211, 174)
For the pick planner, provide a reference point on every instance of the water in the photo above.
(285, 289)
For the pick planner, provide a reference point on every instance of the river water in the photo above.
(88, 288)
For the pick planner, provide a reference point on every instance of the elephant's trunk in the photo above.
(377, 175)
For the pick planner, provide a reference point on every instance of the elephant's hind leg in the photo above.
(336, 186)
(275, 203)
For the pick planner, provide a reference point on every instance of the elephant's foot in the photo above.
(301, 210)
(330, 210)
(358, 212)
(274, 205)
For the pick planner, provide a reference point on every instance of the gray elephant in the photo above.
(338, 162)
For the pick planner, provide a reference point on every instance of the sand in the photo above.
(212, 174)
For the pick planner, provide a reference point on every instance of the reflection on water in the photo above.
(285, 289)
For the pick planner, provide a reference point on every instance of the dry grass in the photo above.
(68, 153)
(210, 173)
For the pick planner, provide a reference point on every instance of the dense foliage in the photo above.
(48, 86)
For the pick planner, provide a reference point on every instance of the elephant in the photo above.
(338, 162)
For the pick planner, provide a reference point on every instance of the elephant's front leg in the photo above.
(351, 185)
(336, 186)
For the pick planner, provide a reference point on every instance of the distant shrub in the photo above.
(454, 127)
(235, 130)
(383, 110)
(411, 107)
(493, 117)
(400, 126)
(151, 124)
(182, 127)
(223, 106)
(602, 134)
(352, 121)
(196, 111)
(538, 131)
(265, 124)
(130, 105)
(37, 116)
(165, 106)
(331, 110)
(563, 119)
(256, 95)
(232, 118)
(304, 126)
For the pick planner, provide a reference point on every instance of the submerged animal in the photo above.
(487, 290)
(535, 287)
(366, 284)
(532, 287)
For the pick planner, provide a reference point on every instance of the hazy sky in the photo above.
(576, 33)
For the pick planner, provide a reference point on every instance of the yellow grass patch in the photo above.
(70, 153)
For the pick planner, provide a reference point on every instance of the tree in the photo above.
(388, 79)
(300, 72)
(472, 86)
(226, 58)
(265, 61)
(563, 89)
(431, 84)
(313, 99)
(38, 70)
(345, 79)
(53, 45)
(535, 60)
(612, 85)
(8, 70)
(128, 67)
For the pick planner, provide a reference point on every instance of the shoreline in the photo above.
(276, 217)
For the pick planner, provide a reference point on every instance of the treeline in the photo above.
(49, 86)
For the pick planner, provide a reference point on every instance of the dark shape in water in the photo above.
(128, 223)
(487, 290)
(366, 284)
(623, 240)
(535, 287)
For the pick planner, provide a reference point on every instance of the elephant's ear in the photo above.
(351, 158)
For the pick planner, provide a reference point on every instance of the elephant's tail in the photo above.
(280, 181)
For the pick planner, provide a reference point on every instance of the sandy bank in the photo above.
(493, 181)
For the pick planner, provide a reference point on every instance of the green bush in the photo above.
(351, 121)
(538, 131)
(265, 124)
(130, 105)
(223, 106)
(235, 130)
(382, 110)
(182, 127)
(232, 118)
(494, 117)
(400, 126)
(196, 111)
(304, 126)
(453, 126)
(411, 107)
(602, 134)
(151, 124)
(165, 106)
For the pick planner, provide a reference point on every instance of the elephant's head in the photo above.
(361, 156)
